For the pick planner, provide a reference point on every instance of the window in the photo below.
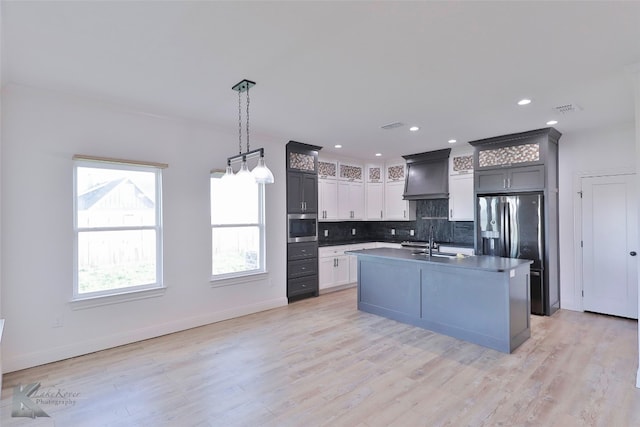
(118, 227)
(237, 227)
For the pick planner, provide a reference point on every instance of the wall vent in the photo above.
(392, 125)
(567, 108)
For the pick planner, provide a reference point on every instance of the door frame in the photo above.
(578, 285)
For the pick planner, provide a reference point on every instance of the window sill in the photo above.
(97, 301)
(239, 280)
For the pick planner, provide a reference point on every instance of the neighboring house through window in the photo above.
(118, 227)
(237, 227)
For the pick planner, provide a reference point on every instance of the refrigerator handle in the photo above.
(503, 228)
(507, 209)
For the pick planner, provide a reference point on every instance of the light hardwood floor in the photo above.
(321, 362)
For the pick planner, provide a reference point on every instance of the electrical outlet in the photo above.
(353, 231)
(412, 233)
(326, 233)
(393, 231)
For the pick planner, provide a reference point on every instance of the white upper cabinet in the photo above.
(396, 208)
(461, 199)
(374, 192)
(327, 189)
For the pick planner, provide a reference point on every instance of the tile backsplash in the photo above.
(428, 213)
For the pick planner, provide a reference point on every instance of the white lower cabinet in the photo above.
(333, 267)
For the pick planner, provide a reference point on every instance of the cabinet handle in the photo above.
(404, 214)
(508, 182)
(380, 214)
(504, 183)
(450, 213)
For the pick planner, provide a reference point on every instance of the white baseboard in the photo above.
(23, 361)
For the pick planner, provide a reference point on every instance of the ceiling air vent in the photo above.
(567, 108)
(392, 125)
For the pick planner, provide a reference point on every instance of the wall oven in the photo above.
(302, 228)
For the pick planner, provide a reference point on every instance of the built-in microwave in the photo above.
(302, 227)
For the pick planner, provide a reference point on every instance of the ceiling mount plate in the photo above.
(244, 85)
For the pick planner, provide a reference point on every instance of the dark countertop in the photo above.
(481, 262)
(369, 240)
(356, 241)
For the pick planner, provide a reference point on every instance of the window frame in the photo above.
(238, 277)
(126, 292)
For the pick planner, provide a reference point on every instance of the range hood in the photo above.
(427, 175)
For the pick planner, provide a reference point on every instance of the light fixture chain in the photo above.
(239, 123)
(248, 100)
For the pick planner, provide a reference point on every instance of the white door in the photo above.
(610, 243)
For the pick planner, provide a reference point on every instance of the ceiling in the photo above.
(334, 72)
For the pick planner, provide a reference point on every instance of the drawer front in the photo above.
(302, 250)
(302, 285)
(302, 268)
(331, 251)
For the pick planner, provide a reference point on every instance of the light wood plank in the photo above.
(320, 362)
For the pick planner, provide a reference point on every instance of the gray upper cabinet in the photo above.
(525, 161)
(523, 178)
(302, 177)
(302, 193)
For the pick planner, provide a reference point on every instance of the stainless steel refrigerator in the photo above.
(512, 226)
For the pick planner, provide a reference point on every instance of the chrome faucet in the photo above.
(430, 241)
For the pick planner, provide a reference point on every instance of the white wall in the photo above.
(595, 151)
(2, 65)
(41, 133)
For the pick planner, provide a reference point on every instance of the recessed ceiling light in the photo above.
(552, 122)
(337, 146)
(452, 141)
(524, 101)
(378, 154)
(414, 128)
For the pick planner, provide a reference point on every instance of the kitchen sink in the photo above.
(434, 254)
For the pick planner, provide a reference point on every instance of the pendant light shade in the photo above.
(262, 173)
(228, 173)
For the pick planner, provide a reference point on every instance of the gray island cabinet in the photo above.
(480, 299)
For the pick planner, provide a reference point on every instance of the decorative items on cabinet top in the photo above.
(462, 163)
(519, 149)
(396, 172)
(327, 169)
(302, 157)
(374, 173)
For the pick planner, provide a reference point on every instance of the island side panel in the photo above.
(471, 305)
(389, 288)
(519, 306)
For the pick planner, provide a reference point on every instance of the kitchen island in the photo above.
(481, 299)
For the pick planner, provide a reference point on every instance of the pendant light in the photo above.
(261, 173)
